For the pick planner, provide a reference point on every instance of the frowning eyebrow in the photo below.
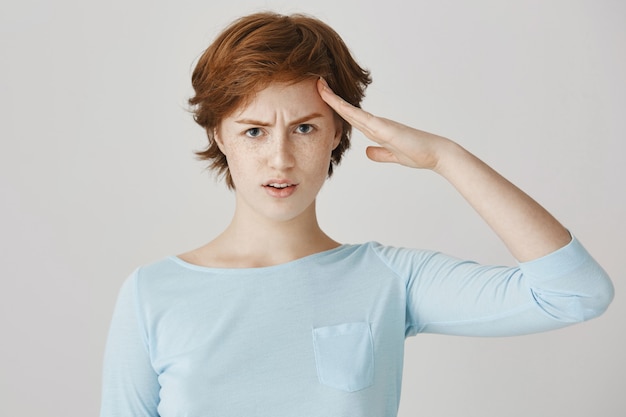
(295, 122)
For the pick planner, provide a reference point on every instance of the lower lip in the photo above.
(280, 192)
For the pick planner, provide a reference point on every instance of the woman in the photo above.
(275, 318)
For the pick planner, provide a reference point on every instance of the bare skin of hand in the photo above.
(525, 227)
(398, 143)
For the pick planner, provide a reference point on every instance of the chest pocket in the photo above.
(344, 356)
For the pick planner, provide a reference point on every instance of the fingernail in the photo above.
(324, 83)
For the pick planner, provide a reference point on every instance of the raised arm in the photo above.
(524, 226)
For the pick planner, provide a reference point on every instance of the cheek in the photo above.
(238, 161)
(318, 157)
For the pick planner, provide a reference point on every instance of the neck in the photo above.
(254, 241)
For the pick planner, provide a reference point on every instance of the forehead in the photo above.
(285, 99)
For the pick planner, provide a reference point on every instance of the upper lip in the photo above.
(279, 183)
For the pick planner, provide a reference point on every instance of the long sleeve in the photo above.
(130, 385)
(449, 296)
(192, 340)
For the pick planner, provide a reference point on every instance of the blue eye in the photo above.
(304, 128)
(254, 132)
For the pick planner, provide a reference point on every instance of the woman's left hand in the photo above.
(397, 142)
(527, 229)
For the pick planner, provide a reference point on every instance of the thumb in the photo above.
(380, 154)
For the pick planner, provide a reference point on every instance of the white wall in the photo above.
(97, 176)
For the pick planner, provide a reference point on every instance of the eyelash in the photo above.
(310, 128)
(249, 133)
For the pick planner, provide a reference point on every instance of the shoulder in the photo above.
(160, 275)
(398, 254)
(401, 260)
(163, 267)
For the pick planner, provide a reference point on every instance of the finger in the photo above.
(329, 96)
(366, 122)
(380, 154)
(345, 110)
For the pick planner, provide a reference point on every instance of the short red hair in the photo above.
(261, 48)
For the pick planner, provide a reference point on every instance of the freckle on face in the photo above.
(279, 111)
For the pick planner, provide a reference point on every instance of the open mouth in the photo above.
(279, 186)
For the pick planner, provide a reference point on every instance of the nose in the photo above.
(281, 152)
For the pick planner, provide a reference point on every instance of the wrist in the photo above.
(449, 155)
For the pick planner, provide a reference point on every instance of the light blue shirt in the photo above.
(322, 335)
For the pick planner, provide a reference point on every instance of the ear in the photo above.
(218, 140)
(338, 134)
